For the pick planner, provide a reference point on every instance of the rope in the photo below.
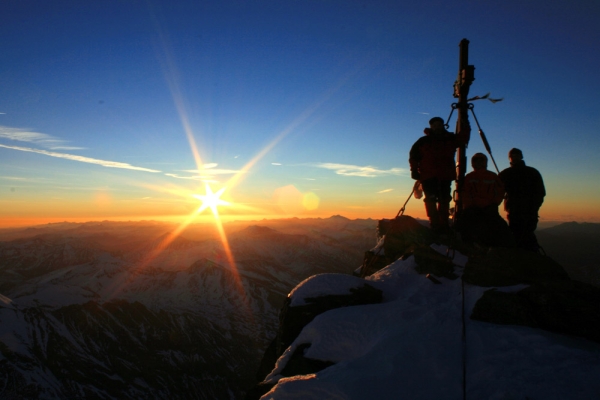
(483, 138)
(464, 343)
(450, 254)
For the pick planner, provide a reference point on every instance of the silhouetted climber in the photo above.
(432, 162)
(483, 188)
(483, 192)
(525, 193)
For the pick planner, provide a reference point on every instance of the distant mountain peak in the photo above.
(258, 230)
(339, 218)
(203, 264)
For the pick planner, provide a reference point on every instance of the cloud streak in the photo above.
(37, 138)
(357, 170)
(206, 173)
(215, 171)
(203, 178)
(88, 160)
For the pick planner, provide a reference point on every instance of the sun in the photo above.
(211, 200)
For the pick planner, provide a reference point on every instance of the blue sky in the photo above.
(323, 96)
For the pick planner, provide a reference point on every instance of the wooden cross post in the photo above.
(466, 76)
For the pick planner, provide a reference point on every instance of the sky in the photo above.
(127, 110)
(411, 346)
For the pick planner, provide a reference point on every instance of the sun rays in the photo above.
(211, 200)
(222, 198)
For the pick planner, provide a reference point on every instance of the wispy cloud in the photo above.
(37, 138)
(275, 163)
(67, 148)
(203, 178)
(215, 171)
(206, 173)
(88, 160)
(357, 170)
(385, 190)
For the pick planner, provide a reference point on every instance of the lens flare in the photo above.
(211, 200)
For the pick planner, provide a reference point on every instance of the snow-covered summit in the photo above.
(420, 343)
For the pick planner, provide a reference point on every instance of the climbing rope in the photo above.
(464, 343)
(454, 106)
(450, 254)
(483, 138)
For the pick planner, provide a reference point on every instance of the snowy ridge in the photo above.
(410, 346)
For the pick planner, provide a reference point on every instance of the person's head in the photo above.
(479, 161)
(436, 124)
(515, 155)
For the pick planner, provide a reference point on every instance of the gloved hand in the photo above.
(415, 175)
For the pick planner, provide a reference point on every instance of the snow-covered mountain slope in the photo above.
(95, 310)
(413, 346)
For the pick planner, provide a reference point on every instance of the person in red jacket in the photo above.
(483, 192)
(483, 188)
(432, 162)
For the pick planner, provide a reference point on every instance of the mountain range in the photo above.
(129, 310)
(118, 310)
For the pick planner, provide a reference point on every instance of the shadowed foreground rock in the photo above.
(567, 307)
(397, 238)
(430, 261)
(501, 266)
(401, 234)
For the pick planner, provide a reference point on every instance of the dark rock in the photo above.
(511, 266)
(258, 391)
(567, 307)
(430, 261)
(373, 262)
(300, 365)
(268, 361)
(401, 233)
(293, 319)
(485, 227)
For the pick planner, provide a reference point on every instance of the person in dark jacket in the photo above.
(525, 194)
(432, 162)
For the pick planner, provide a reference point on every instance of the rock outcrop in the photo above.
(299, 311)
(567, 307)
